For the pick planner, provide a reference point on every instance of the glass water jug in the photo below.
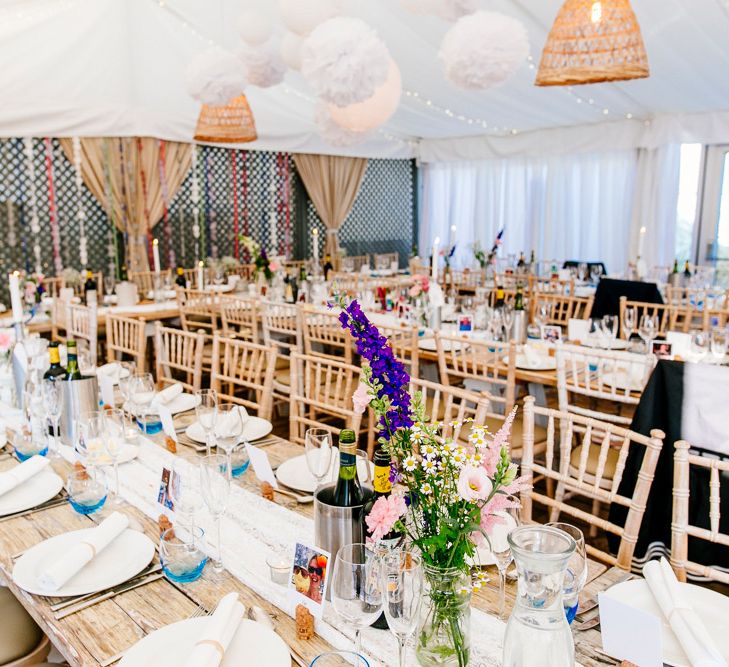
(537, 633)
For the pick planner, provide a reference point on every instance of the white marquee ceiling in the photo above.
(117, 67)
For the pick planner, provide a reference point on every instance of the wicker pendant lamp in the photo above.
(593, 41)
(229, 124)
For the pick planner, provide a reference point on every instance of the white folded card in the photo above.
(681, 342)
(578, 329)
(106, 386)
(219, 631)
(73, 561)
(21, 473)
(261, 465)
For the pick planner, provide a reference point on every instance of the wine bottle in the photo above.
(72, 369)
(328, 266)
(180, 279)
(521, 264)
(532, 264)
(348, 491)
(519, 298)
(500, 297)
(55, 370)
(687, 270)
(90, 289)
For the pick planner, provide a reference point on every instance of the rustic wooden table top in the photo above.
(92, 636)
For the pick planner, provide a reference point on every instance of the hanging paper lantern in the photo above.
(333, 133)
(254, 28)
(449, 10)
(375, 111)
(344, 61)
(483, 50)
(263, 66)
(215, 77)
(291, 49)
(302, 16)
(231, 123)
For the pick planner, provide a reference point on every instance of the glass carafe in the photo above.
(537, 634)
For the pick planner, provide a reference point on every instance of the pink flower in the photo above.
(361, 398)
(489, 518)
(492, 453)
(473, 484)
(6, 340)
(384, 514)
(415, 290)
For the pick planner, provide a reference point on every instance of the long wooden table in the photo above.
(94, 635)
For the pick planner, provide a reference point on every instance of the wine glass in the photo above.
(498, 539)
(91, 433)
(542, 313)
(508, 317)
(228, 430)
(610, 328)
(629, 317)
(184, 491)
(356, 587)
(53, 406)
(699, 344)
(141, 393)
(114, 441)
(648, 329)
(215, 489)
(206, 413)
(318, 449)
(109, 284)
(576, 574)
(719, 343)
(402, 592)
(339, 659)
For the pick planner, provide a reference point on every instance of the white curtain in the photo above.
(655, 205)
(563, 207)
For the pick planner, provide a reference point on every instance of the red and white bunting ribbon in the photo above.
(33, 201)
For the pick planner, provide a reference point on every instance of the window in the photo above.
(688, 195)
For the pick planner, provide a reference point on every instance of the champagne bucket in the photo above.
(79, 397)
(519, 327)
(336, 526)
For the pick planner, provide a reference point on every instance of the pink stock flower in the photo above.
(415, 290)
(473, 484)
(489, 518)
(361, 398)
(492, 454)
(384, 514)
(6, 340)
(517, 486)
(274, 265)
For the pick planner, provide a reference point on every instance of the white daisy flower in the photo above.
(426, 489)
(459, 457)
(464, 590)
(428, 451)
(429, 467)
(410, 463)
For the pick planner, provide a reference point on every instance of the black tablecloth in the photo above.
(609, 291)
(660, 407)
(574, 264)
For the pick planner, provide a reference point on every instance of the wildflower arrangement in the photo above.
(71, 277)
(448, 254)
(260, 257)
(32, 287)
(421, 285)
(480, 254)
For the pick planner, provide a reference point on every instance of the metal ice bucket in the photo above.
(336, 526)
(79, 397)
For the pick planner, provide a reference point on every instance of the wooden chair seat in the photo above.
(611, 463)
(494, 423)
(282, 377)
(19, 634)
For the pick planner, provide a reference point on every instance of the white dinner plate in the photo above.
(125, 557)
(170, 646)
(31, 493)
(97, 456)
(711, 607)
(295, 474)
(537, 363)
(617, 344)
(254, 428)
(182, 403)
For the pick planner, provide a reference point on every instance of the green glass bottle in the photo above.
(72, 369)
(348, 491)
(55, 370)
(519, 298)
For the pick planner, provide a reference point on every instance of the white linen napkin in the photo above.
(22, 473)
(227, 424)
(166, 396)
(73, 561)
(219, 631)
(112, 370)
(685, 623)
(533, 358)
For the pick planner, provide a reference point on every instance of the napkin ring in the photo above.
(92, 547)
(216, 645)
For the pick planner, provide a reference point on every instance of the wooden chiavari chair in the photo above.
(352, 263)
(126, 337)
(78, 288)
(608, 379)
(465, 281)
(280, 322)
(404, 343)
(698, 299)
(178, 357)
(323, 334)
(243, 373)
(321, 395)
(550, 285)
(385, 260)
(82, 325)
(593, 473)
(239, 318)
(198, 310)
(670, 317)
(684, 465)
(562, 307)
(144, 280)
(53, 286)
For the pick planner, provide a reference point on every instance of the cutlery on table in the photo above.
(68, 611)
(54, 502)
(587, 625)
(302, 500)
(264, 618)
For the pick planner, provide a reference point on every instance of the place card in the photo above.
(261, 465)
(629, 633)
(681, 343)
(578, 330)
(106, 386)
(309, 577)
(168, 425)
(164, 496)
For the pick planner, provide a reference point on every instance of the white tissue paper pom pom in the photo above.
(344, 61)
(263, 66)
(215, 77)
(449, 10)
(290, 49)
(374, 111)
(254, 28)
(302, 16)
(334, 134)
(483, 50)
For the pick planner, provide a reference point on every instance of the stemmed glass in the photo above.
(206, 413)
(109, 284)
(91, 428)
(215, 491)
(508, 316)
(699, 344)
(339, 659)
(402, 591)
(576, 574)
(114, 441)
(718, 343)
(648, 329)
(141, 394)
(228, 430)
(610, 328)
(501, 550)
(629, 317)
(53, 406)
(185, 494)
(356, 587)
(542, 314)
(318, 450)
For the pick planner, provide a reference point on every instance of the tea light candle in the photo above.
(15, 296)
(280, 569)
(434, 260)
(200, 265)
(155, 253)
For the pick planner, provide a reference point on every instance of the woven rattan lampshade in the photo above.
(593, 41)
(232, 123)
